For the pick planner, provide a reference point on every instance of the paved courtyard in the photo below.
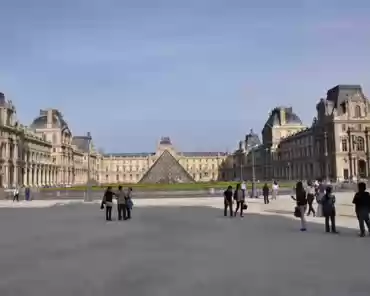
(176, 250)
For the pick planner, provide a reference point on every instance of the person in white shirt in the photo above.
(243, 187)
(275, 189)
(16, 194)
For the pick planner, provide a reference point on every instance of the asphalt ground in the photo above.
(162, 251)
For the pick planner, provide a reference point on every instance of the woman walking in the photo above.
(228, 201)
(129, 203)
(121, 203)
(275, 189)
(301, 199)
(239, 198)
(310, 198)
(108, 202)
(266, 192)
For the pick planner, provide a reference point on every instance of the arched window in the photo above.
(357, 111)
(360, 144)
(344, 145)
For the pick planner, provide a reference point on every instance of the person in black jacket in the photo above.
(361, 201)
(266, 192)
(108, 202)
(328, 209)
(301, 199)
(228, 201)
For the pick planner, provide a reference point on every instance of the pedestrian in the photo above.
(301, 200)
(320, 192)
(16, 194)
(244, 188)
(328, 210)
(275, 189)
(121, 203)
(239, 198)
(27, 194)
(228, 201)
(265, 192)
(129, 203)
(361, 201)
(108, 203)
(310, 198)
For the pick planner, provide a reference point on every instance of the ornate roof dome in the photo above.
(283, 116)
(252, 140)
(165, 141)
(57, 120)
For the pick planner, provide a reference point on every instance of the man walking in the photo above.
(328, 208)
(362, 207)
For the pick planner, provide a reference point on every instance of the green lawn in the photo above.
(174, 187)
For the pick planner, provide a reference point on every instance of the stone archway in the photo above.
(362, 168)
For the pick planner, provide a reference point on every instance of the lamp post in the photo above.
(367, 151)
(88, 185)
(241, 165)
(350, 153)
(326, 156)
(253, 175)
(253, 193)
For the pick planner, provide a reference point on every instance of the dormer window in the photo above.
(357, 111)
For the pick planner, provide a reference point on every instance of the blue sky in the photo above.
(203, 72)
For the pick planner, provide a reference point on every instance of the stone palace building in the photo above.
(335, 146)
(47, 154)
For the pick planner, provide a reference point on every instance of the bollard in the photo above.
(211, 190)
(58, 193)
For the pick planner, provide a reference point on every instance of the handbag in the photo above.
(102, 206)
(297, 212)
(245, 206)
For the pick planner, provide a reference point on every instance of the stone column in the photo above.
(6, 176)
(42, 175)
(46, 175)
(25, 181)
(39, 176)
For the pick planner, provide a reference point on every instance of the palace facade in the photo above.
(335, 146)
(47, 154)
(165, 165)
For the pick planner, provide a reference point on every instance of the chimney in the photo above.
(282, 116)
(2, 99)
(49, 118)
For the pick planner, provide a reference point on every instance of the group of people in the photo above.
(124, 203)
(326, 205)
(238, 195)
(266, 192)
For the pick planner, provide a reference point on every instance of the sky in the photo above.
(203, 72)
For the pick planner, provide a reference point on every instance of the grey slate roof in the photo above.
(82, 143)
(203, 154)
(252, 140)
(186, 154)
(290, 117)
(139, 154)
(341, 92)
(40, 122)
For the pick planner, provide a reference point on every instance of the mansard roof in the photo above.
(275, 119)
